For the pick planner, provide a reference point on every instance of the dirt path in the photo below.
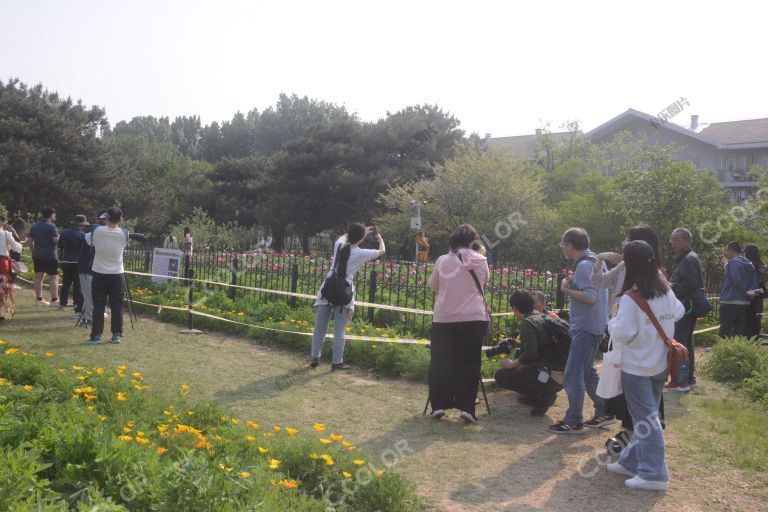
(507, 462)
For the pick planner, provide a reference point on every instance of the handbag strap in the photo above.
(477, 283)
(643, 305)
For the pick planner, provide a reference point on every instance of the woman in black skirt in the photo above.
(459, 323)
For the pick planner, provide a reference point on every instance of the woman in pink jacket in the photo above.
(460, 319)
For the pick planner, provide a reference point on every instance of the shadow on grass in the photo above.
(268, 387)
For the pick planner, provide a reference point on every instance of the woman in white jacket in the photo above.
(644, 365)
(7, 244)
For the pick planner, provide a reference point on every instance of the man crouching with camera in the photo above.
(529, 374)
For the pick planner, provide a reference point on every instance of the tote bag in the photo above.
(609, 384)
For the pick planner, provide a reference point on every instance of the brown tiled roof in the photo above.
(751, 131)
(522, 145)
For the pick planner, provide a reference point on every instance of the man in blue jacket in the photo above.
(737, 293)
(70, 242)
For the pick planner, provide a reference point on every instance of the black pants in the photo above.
(70, 279)
(684, 334)
(753, 325)
(106, 286)
(454, 371)
(733, 320)
(525, 381)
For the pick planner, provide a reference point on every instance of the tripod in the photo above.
(485, 398)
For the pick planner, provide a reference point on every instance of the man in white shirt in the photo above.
(109, 242)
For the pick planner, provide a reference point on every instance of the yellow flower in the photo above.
(2, 342)
(346, 475)
(337, 437)
(358, 462)
(327, 458)
(131, 424)
(160, 450)
(102, 418)
(28, 388)
(91, 408)
(136, 375)
(319, 427)
(326, 441)
(140, 433)
(225, 468)
(263, 450)
(81, 378)
(121, 396)
(291, 431)
(125, 438)
(235, 421)
(250, 439)
(252, 424)
(121, 368)
(379, 474)
(99, 371)
(288, 484)
(274, 463)
(244, 474)
(78, 368)
(314, 456)
(142, 440)
(49, 354)
(277, 428)
(126, 430)
(346, 444)
(11, 351)
(88, 397)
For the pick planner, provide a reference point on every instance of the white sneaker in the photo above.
(16, 287)
(615, 467)
(437, 414)
(468, 418)
(649, 485)
(42, 302)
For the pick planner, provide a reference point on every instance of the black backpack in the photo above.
(559, 336)
(336, 290)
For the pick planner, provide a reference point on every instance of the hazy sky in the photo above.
(499, 67)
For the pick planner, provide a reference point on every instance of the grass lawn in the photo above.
(717, 450)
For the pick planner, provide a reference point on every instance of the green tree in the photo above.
(50, 151)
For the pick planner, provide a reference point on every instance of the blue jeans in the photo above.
(644, 455)
(580, 375)
(322, 317)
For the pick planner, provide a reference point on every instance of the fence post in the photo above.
(371, 294)
(294, 283)
(559, 296)
(188, 274)
(147, 259)
(233, 280)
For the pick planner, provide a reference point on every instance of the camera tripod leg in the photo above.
(131, 315)
(425, 407)
(485, 396)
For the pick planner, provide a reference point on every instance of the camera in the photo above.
(505, 346)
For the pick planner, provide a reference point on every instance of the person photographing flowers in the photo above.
(348, 258)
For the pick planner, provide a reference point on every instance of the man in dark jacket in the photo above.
(737, 293)
(70, 243)
(687, 279)
(522, 374)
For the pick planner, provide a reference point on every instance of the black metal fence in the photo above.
(391, 282)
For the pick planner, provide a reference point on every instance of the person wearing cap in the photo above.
(70, 242)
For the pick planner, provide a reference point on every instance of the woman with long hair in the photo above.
(348, 257)
(7, 245)
(754, 323)
(459, 322)
(644, 364)
(613, 280)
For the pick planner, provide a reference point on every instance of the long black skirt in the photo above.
(454, 371)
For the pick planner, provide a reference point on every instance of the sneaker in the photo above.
(55, 304)
(468, 418)
(601, 421)
(541, 406)
(562, 428)
(679, 388)
(94, 340)
(614, 445)
(314, 363)
(649, 485)
(615, 467)
(692, 383)
(116, 339)
(16, 287)
(439, 413)
(42, 302)
(340, 366)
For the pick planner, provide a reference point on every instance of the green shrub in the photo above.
(733, 360)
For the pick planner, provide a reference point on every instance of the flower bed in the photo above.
(80, 438)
